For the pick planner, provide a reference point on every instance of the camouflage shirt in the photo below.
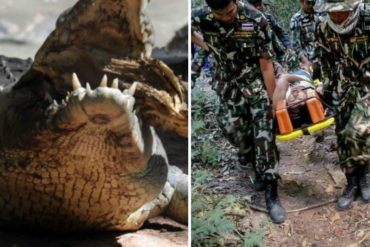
(278, 30)
(302, 27)
(345, 59)
(236, 47)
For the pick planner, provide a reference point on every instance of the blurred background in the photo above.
(25, 24)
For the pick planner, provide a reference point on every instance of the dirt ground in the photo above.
(311, 182)
(159, 232)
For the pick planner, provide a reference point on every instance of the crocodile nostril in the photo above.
(100, 119)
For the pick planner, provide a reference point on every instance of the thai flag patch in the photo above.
(247, 26)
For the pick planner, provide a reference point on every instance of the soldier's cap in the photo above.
(340, 5)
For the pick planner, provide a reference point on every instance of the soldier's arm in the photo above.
(295, 34)
(196, 32)
(268, 75)
(322, 56)
(280, 33)
(264, 47)
(196, 38)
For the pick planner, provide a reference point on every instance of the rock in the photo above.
(155, 238)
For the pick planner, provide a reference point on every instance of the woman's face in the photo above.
(297, 94)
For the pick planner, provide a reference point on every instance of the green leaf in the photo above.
(253, 239)
(197, 127)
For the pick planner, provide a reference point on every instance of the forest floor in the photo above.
(311, 182)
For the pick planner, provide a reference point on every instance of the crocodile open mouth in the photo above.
(104, 116)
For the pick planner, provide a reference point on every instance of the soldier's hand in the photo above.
(320, 89)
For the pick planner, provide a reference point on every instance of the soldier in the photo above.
(343, 48)
(237, 36)
(201, 61)
(302, 27)
(278, 31)
(279, 38)
(197, 63)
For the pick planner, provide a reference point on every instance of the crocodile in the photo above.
(78, 126)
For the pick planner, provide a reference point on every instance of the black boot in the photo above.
(349, 192)
(276, 211)
(364, 182)
(258, 184)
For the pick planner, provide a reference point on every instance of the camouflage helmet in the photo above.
(340, 5)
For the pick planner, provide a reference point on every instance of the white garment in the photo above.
(347, 25)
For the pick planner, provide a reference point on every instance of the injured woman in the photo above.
(296, 100)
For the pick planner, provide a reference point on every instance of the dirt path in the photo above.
(310, 177)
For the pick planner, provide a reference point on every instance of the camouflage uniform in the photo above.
(345, 63)
(197, 63)
(280, 38)
(280, 44)
(202, 61)
(302, 27)
(245, 113)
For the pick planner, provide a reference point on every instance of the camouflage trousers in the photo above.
(197, 63)
(353, 133)
(247, 122)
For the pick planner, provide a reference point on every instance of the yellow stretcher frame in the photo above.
(310, 129)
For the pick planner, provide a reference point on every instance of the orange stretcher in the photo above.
(317, 116)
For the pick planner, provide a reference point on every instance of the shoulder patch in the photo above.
(211, 16)
(242, 17)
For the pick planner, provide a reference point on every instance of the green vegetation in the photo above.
(211, 225)
(208, 223)
(283, 10)
(202, 149)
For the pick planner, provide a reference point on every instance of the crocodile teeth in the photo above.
(63, 102)
(88, 88)
(177, 100)
(148, 50)
(75, 82)
(145, 37)
(67, 98)
(55, 103)
(115, 83)
(144, 5)
(130, 104)
(81, 96)
(132, 89)
(104, 81)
